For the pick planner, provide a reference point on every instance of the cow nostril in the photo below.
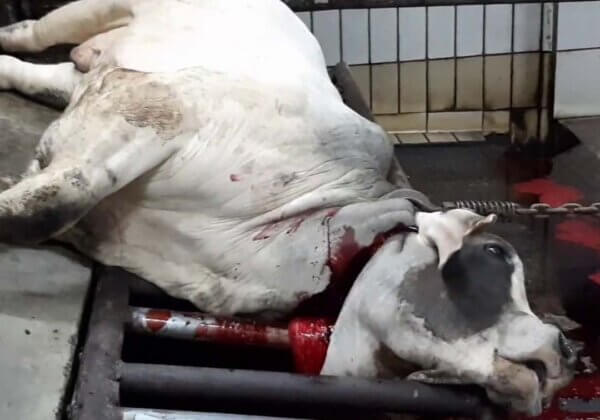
(540, 370)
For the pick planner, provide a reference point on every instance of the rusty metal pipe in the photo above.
(293, 390)
(201, 327)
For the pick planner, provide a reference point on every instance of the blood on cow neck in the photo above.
(345, 262)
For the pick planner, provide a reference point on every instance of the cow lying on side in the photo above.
(205, 148)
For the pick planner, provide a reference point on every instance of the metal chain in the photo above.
(510, 209)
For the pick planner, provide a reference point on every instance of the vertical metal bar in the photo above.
(96, 393)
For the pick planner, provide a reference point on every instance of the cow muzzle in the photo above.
(527, 383)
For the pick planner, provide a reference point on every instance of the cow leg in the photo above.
(73, 23)
(53, 82)
(100, 141)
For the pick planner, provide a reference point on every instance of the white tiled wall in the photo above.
(469, 30)
(441, 67)
(498, 28)
(440, 32)
(577, 85)
(383, 37)
(412, 35)
(578, 25)
(355, 36)
(326, 27)
(527, 27)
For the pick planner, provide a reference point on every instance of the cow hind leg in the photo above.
(52, 84)
(73, 23)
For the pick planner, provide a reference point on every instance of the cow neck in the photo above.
(346, 262)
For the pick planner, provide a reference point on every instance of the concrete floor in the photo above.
(42, 291)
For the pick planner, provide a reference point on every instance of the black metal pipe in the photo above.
(182, 382)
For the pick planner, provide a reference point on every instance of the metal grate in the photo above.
(117, 381)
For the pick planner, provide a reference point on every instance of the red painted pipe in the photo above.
(307, 338)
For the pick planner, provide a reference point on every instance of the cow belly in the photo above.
(220, 267)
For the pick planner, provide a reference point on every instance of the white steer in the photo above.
(205, 148)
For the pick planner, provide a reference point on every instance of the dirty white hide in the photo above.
(205, 148)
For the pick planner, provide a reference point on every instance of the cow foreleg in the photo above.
(48, 82)
(73, 23)
(45, 204)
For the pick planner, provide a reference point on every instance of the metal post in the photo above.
(96, 394)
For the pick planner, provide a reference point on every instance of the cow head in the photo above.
(448, 305)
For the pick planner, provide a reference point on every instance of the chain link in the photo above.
(509, 209)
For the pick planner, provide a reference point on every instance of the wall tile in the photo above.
(362, 77)
(577, 85)
(548, 26)
(469, 30)
(384, 35)
(355, 36)
(440, 138)
(454, 121)
(441, 85)
(465, 136)
(326, 27)
(525, 88)
(305, 17)
(469, 83)
(498, 28)
(403, 122)
(412, 33)
(411, 138)
(496, 122)
(578, 25)
(440, 23)
(413, 86)
(497, 82)
(385, 88)
(527, 27)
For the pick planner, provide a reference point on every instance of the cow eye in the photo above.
(495, 250)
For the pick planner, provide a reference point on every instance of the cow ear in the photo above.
(482, 223)
(436, 377)
(445, 231)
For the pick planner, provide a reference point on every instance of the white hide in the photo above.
(261, 136)
(205, 148)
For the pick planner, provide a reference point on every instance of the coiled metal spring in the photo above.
(500, 208)
(507, 209)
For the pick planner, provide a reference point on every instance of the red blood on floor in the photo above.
(595, 278)
(548, 191)
(581, 232)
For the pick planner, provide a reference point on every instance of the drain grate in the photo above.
(121, 377)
